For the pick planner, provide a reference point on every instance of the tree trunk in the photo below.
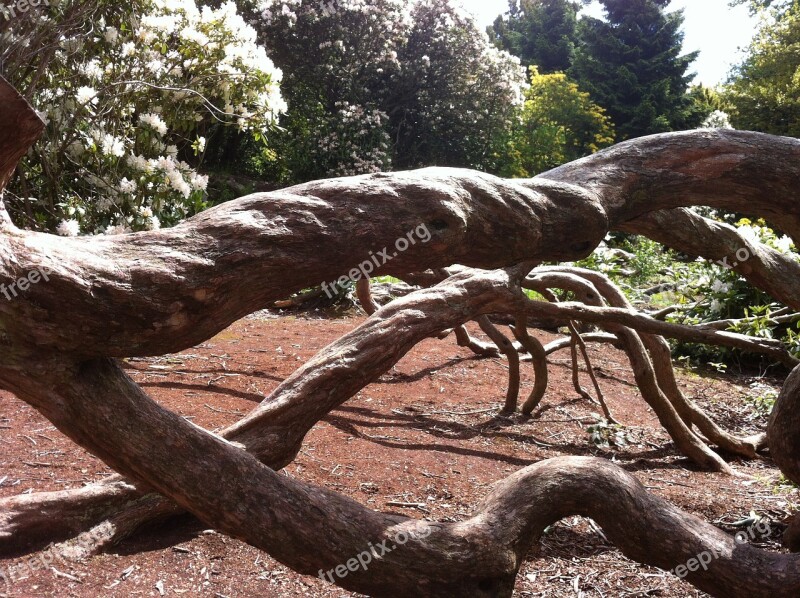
(164, 291)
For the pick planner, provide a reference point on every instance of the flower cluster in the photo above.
(356, 142)
(130, 106)
(717, 120)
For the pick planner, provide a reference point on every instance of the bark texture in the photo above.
(164, 291)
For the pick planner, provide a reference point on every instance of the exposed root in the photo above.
(364, 294)
(687, 441)
(464, 339)
(511, 353)
(578, 342)
(591, 337)
(539, 358)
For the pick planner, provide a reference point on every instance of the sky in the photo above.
(711, 26)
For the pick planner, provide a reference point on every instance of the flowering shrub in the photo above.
(380, 83)
(357, 141)
(338, 56)
(717, 120)
(712, 292)
(130, 108)
(459, 95)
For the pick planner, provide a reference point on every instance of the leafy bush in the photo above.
(387, 83)
(130, 107)
(558, 124)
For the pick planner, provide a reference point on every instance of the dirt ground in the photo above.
(426, 436)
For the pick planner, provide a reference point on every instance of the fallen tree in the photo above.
(160, 292)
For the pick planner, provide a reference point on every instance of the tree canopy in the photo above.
(559, 124)
(764, 90)
(542, 33)
(632, 65)
(389, 82)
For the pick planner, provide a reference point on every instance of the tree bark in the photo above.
(164, 291)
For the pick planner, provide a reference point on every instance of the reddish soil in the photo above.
(426, 434)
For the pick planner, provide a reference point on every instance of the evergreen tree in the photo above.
(631, 64)
(540, 32)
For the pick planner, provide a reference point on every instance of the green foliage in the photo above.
(558, 124)
(704, 101)
(764, 91)
(712, 292)
(631, 64)
(631, 261)
(542, 33)
(762, 398)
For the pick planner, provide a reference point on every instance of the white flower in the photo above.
(717, 120)
(154, 121)
(178, 183)
(112, 35)
(68, 228)
(128, 49)
(720, 287)
(112, 146)
(715, 306)
(199, 182)
(784, 244)
(127, 186)
(93, 70)
(201, 144)
(749, 233)
(193, 35)
(155, 66)
(153, 223)
(86, 95)
(172, 151)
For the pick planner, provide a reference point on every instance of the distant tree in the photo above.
(387, 83)
(559, 123)
(764, 90)
(631, 64)
(457, 95)
(703, 102)
(540, 32)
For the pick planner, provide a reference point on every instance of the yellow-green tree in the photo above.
(558, 123)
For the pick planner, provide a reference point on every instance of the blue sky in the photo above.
(711, 26)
